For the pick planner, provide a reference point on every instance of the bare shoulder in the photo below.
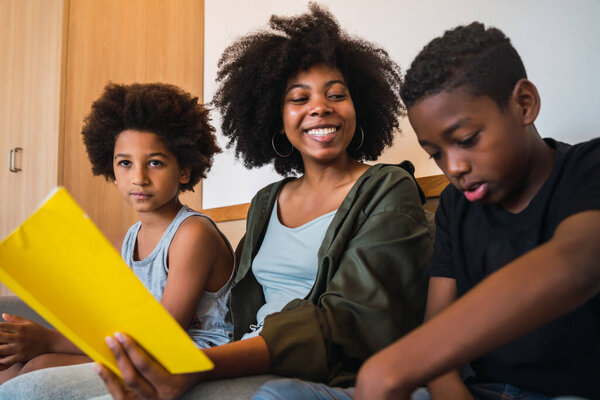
(197, 230)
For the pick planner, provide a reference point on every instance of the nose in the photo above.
(139, 176)
(319, 106)
(456, 165)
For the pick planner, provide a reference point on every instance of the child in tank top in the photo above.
(153, 141)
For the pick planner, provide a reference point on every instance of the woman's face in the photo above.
(318, 114)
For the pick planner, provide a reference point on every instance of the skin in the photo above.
(473, 140)
(317, 97)
(148, 177)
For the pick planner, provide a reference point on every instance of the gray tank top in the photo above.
(209, 326)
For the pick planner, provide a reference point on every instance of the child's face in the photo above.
(146, 172)
(478, 146)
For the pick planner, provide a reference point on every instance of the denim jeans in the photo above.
(292, 389)
(75, 382)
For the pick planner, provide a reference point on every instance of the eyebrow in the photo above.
(449, 130)
(327, 85)
(156, 154)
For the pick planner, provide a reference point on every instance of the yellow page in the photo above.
(62, 266)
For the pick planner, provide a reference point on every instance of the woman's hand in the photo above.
(22, 339)
(143, 377)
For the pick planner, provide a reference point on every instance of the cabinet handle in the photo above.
(11, 162)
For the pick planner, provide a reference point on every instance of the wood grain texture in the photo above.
(124, 42)
(432, 187)
(30, 81)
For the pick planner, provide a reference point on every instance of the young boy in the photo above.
(516, 267)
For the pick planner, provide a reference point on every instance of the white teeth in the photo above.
(321, 131)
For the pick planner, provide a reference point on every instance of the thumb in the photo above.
(14, 318)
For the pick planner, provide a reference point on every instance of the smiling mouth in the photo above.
(321, 132)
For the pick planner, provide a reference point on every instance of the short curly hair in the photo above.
(165, 110)
(479, 59)
(254, 70)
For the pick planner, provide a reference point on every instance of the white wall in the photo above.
(559, 42)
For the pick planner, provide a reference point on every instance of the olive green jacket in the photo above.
(370, 287)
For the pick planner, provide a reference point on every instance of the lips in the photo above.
(141, 195)
(322, 133)
(475, 191)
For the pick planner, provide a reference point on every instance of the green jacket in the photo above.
(370, 287)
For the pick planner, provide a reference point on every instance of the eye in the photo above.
(124, 163)
(435, 155)
(155, 163)
(337, 96)
(469, 140)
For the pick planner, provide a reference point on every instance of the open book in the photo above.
(61, 265)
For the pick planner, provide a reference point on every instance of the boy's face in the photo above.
(146, 172)
(478, 146)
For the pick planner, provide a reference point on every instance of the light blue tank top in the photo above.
(209, 327)
(286, 264)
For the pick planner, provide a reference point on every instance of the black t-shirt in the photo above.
(474, 239)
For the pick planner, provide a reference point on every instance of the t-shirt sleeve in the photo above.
(581, 182)
(440, 264)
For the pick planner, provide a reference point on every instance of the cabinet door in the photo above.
(124, 42)
(30, 79)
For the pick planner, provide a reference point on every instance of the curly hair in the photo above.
(174, 115)
(481, 60)
(254, 70)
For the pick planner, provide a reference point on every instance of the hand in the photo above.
(375, 380)
(143, 377)
(21, 340)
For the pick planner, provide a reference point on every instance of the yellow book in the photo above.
(61, 265)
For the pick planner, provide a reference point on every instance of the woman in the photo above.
(331, 266)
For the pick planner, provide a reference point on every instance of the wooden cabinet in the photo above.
(30, 89)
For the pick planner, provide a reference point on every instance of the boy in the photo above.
(516, 267)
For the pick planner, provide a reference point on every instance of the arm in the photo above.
(442, 293)
(22, 339)
(561, 275)
(196, 252)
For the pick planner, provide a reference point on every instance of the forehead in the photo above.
(142, 141)
(316, 75)
(446, 111)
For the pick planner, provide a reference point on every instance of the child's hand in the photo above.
(21, 340)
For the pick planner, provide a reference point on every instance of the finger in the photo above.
(7, 349)
(132, 377)
(7, 327)
(10, 359)
(7, 337)
(144, 363)
(112, 382)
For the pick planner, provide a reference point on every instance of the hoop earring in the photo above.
(362, 139)
(275, 148)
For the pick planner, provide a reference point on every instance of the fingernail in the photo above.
(110, 342)
(120, 337)
(97, 368)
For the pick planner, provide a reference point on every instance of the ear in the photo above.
(184, 175)
(527, 100)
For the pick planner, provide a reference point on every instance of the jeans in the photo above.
(75, 382)
(292, 389)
